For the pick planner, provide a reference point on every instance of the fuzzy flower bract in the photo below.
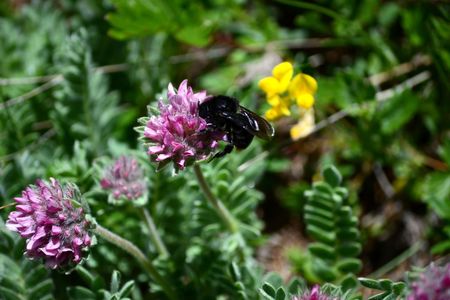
(175, 132)
(433, 284)
(125, 179)
(48, 216)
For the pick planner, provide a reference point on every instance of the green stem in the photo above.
(397, 260)
(154, 235)
(220, 208)
(140, 257)
(314, 7)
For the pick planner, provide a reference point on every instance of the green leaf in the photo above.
(398, 111)
(234, 271)
(115, 282)
(194, 35)
(42, 289)
(81, 293)
(323, 189)
(391, 297)
(321, 205)
(323, 270)
(335, 228)
(12, 284)
(441, 247)
(268, 290)
(314, 209)
(349, 265)
(332, 176)
(398, 288)
(381, 296)
(281, 294)
(444, 151)
(126, 289)
(370, 283)
(9, 294)
(320, 222)
(321, 235)
(294, 286)
(347, 234)
(349, 249)
(22, 277)
(351, 222)
(86, 275)
(323, 251)
(385, 284)
(349, 282)
(437, 193)
(392, 289)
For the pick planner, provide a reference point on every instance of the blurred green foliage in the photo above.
(331, 222)
(382, 66)
(25, 279)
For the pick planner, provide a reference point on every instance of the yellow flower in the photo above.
(279, 82)
(302, 88)
(283, 73)
(305, 100)
(272, 114)
(269, 85)
(304, 127)
(276, 112)
(282, 90)
(274, 100)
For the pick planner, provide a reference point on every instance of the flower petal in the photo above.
(269, 85)
(302, 84)
(284, 69)
(304, 127)
(274, 100)
(305, 100)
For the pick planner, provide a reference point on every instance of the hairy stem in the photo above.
(220, 208)
(138, 255)
(154, 235)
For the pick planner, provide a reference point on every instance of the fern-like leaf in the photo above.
(390, 290)
(85, 110)
(331, 222)
(21, 278)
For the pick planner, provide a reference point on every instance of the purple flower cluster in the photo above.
(55, 230)
(178, 134)
(433, 284)
(124, 178)
(314, 294)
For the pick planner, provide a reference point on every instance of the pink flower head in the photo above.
(178, 134)
(124, 178)
(314, 294)
(55, 230)
(433, 284)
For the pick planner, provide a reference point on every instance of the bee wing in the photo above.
(252, 123)
(263, 129)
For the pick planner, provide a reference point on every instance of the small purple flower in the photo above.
(125, 179)
(55, 230)
(314, 294)
(178, 134)
(433, 284)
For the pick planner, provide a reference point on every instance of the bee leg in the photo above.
(228, 148)
(209, 128)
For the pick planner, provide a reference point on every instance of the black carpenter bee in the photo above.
(223, 113)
